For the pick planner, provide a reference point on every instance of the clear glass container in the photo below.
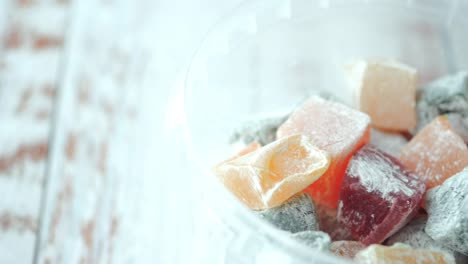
(267, 56)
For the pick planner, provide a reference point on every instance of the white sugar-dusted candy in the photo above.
(447, 206)
(262, 130)
(386, 91)
(413, 234)
(391, 143)
(295, 215)
(314, 239)
(445, 96)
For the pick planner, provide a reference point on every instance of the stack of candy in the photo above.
(346, 180)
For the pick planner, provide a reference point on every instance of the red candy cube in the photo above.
(378, 195)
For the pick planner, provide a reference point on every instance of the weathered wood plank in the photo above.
(30, 51)
(92, 184)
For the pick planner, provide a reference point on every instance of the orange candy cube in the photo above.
(337, 129)
(267, 177)
(435, 153)
(401, 253)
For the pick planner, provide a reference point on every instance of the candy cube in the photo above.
(378, 196)
(337, 129)
(329, 224)
(313, 239)
(447, 207)
(435, 153)
(386, 91)
(347, 249)
(400, 253)
(413, 234)
(391, 143)
(295, 215)
(262, 130)
(272, 174)
(447, 95)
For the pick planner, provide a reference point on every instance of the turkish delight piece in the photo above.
(262, 130)
(337, 129)
(400, 253)
(445, 96)
(313, 239)
(328, 223)
(386, 91)
(378, 195)
(347, 249)
(447, 207)
(391, 143)
(435, 153)
(267, 177)
(295, 215)
(413, 235)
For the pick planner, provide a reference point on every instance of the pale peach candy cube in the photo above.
(268, 176)
(335, 128)
(401, 253)
(386, 91)
(435, 153)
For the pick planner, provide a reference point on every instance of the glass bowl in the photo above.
(266, 57)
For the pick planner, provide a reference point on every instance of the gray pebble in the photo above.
(314, 239)
(447, 206)
(296, 215)
(413, 234)
(262, 131)
(445, 96)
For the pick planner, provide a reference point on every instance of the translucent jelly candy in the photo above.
(314, 239)
(347, 249)
(262, 131)
(400, 253)
(270, 175)
(413, 234)
(337, 129)
(328, 223)
(435, 153)
(295, 215)
(391, 143)
(447, 206)
(378, 196)
(386, 91)
(445, 96)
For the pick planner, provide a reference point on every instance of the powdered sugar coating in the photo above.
(413, 234)
(378, 196)
(313, 239)
(295, 215)
(262, 131)
(447, 95)
(436, 153)
(447, 206)
(335, 128)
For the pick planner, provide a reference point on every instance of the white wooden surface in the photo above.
(85, 155)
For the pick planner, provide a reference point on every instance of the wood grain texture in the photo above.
(93, 183)
(30, 52)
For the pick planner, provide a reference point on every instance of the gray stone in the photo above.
(413, 234)
(447, 206)
(314, 239)
(262, 131)
(445, 96)
(296, 215)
